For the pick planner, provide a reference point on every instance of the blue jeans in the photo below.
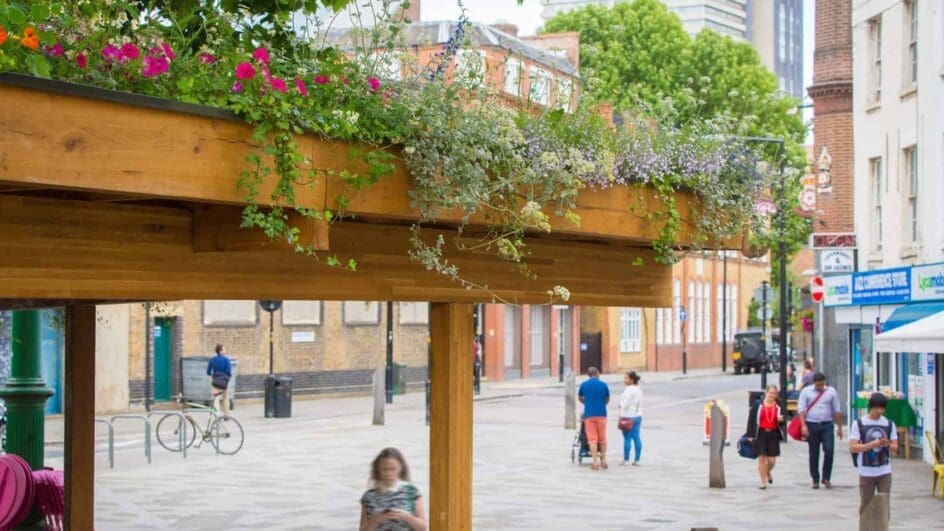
(821, 433)
(631, 437)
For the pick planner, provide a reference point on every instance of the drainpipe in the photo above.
(25, 393)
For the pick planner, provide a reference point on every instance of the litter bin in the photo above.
(754, 396)
(195, 382)
(399, 378)
(278, 396)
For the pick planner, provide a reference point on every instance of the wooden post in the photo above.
(80, 418)
(450, 425)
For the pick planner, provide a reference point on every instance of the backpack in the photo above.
(874, 457)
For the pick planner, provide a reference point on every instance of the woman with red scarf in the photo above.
(764, 426)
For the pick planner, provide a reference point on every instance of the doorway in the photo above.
(591, 350)
(512, 343)
(163, 358)
(540, 332)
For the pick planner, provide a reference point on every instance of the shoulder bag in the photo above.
(625, 423)
(795, 428)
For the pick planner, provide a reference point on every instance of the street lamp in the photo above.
(782, 224)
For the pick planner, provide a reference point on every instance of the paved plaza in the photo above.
(308, 472)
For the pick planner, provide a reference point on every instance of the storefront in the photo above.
(895, 343)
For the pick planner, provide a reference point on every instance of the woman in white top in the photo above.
(630, 407)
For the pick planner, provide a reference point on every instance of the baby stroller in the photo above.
(581, 448)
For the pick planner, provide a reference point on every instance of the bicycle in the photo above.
(224, 433)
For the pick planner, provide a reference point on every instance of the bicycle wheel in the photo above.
(226, 435)
(168, 432)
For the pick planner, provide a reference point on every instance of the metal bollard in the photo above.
(379, 396)
(716, 448)
(111, 441)
(147, 431)
(570, 401)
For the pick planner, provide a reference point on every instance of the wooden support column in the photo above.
(80, 417)
(450, 423)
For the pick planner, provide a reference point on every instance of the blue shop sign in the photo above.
(886, 286)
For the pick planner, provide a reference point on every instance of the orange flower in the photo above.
(30, 40)
(3, 35)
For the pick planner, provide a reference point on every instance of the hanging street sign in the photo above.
(765, 207)
(764, 313)
(837, 261)
(760, 296)
(832, 240)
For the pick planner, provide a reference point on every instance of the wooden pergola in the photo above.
(110, 197)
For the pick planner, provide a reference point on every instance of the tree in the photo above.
(637, 55)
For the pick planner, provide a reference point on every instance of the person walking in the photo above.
(595, 395)
(818, 409)
(764, 431)
(220, 371)
(872, 438)
(630, 417)
(391, 503)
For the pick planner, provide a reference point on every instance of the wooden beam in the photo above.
(217, 228)
(80, 417)
(78, 250)
(450, 421)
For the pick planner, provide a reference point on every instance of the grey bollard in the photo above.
(716, 449)
(876, 514)
(570, 401)
(380, 396)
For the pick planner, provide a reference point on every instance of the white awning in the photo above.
(923, 335)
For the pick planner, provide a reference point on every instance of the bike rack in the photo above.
(213, 417)
(147, 431)
(182, 435)
(111, 441)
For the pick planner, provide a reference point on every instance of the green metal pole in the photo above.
(25, 393)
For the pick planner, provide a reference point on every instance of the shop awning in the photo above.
(924, 334)
(910, 313)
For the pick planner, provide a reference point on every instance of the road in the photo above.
(308, 472)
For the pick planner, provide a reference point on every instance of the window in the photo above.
(513, 77)
(704, 311)
(540, 86)
(229, 313)
(301, 313)
(565, 93)
(361, 313)
(414, 313)
(630, 319)
(875, 60)
(875, 173)
(674, 323)
(470, 67)
(910, 157)
(692, 312)
(726, 329)
(911, 34)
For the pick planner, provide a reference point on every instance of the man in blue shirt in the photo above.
(220, 371)
(595, 395)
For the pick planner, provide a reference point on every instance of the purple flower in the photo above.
(111, 52)
(374, 84)
(237, 87)
(278, 84)
(207, 58)
(55, 50)
(154, 66)
(245, 71)
(261, 55)
(168, 51)
(322, 80)
(81, 61)
(129, 52)
(300, 85)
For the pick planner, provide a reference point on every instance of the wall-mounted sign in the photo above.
(927, 282)
(303, 336)
(838, 290)
(837, 261)
(832, 240)
(884, 286)
(817, 289)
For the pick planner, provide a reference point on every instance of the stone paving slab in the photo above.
(309, 473)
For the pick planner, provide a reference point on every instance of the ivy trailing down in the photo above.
(512, 168)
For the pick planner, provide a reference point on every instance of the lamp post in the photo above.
(782, 249)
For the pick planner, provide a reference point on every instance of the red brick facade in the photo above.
(832, 98)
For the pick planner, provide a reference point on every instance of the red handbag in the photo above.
(625, 423)
(795, 428)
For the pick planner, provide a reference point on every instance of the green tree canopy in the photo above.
(636, 55)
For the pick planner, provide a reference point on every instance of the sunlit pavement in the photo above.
(308, 472)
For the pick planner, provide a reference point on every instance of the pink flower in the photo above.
(168, 51)
(207, 58)
(245, 71)
(261, 55)
(374, 83)
(129, 52)
(55, 50)
(154, 66)
(237, 87)
(111, 52)
(300, 85)
(322, 80)
(81, 61)
(278, 84)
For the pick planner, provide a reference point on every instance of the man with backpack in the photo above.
(872, 438)
(220, 371)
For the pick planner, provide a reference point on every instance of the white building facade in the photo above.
(898, 117)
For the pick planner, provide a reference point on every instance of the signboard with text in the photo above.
(832, 240)
(927, 282)
(837, 261)
(884, 286)
(838, 290)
